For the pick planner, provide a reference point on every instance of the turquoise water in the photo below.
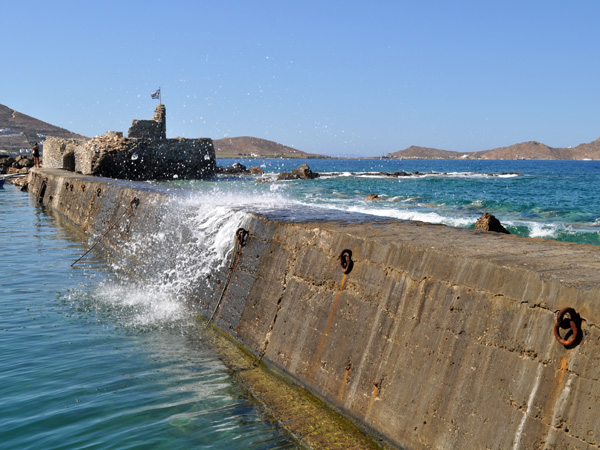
(549, 199)
(96, 357)
(91, 358)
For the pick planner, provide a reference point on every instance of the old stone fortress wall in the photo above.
(145, 154)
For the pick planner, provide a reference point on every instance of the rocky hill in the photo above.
(20, 131)
(251, 147)
(523, 150)
(416, 152)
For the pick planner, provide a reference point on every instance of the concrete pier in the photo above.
(437, 338)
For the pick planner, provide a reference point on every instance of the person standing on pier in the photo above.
(36, 155)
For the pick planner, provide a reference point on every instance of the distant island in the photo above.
(19, 131)
(252, 147)
(524, 150)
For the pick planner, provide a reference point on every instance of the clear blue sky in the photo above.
(332, 77)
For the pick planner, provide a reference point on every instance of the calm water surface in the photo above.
(87, 361)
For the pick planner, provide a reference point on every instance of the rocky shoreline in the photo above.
(14, 169)
(15, 164)
(305, 173)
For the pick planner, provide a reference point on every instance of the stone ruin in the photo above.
(150, 129)
(145, 154)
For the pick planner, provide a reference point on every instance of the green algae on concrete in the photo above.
(299, 412)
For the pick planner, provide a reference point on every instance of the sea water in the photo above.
(549, 199)
(94, 357)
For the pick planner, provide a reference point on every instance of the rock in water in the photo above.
(488, 222)
(234, 169)
(372, 197)
(302, 172)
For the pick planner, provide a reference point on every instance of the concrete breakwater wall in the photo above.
(437, 337)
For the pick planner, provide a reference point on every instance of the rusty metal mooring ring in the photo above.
(135, 202)
(242, 236)
(346, 262)
(574, 322)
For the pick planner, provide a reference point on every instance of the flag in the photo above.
(155, 94)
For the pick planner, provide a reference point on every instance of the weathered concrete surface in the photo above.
(438, 338)
(447, 333)
(301, 414)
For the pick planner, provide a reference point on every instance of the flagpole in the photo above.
(159, 96)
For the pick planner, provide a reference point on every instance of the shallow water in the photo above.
(92, 358)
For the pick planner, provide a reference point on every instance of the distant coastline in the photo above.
(18, 132)
(525, 150)
(251, 147)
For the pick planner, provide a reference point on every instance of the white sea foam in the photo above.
(194, 240)
(413, 175)
(508, 175)
(407, 214)
(409, 200)
(459, 175)
(141, 304)
(543, 230)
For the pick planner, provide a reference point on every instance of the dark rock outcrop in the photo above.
(302, 172)
(19, 164)
(234, 169)
(488, 222)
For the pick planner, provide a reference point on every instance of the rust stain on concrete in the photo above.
(327, 329)
(343, 384)
(372, 399)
